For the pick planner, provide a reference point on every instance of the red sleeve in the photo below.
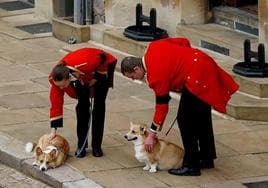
(56, 100)
(161, 109)
(160, 114)
(102, 67)
(108, 60)
(161, 88)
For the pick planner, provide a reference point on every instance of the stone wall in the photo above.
(122, 13)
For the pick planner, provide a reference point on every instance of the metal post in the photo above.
(153, 20)
(138, 15)
(79, 8)
(261, 56)
(247, 57)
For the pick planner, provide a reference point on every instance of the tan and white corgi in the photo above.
(49, 154)
(165, 155)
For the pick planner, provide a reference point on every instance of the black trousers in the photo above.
(195, 124)
(98, 114)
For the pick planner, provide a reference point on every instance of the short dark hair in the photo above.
(60, 72)
(129, 63)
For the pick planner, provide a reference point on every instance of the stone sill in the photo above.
(63, 29)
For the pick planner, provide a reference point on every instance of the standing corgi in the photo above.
(165, 155)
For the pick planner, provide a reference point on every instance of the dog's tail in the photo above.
(29, 147)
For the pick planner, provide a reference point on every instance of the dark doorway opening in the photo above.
(250, 6)
(239, 3)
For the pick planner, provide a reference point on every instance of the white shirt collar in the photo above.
(143, 63)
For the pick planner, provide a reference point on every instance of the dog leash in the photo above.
(91, 101)
(171, 125)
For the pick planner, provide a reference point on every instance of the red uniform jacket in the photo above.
(172, 64)
(85, 61)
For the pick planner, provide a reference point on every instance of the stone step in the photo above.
(218, 38)
(114, 38)
(236, 19)
(247, 107)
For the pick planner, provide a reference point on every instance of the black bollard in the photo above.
(138, 15)
(261, 56)
(247, 48)
(153, 20)
(251, 68)
(142, 32)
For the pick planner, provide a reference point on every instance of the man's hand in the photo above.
(52, 134)
(92, 82)
(150, 142)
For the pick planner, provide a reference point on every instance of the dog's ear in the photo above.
(143, 128)
(53, 153)
(38, 151)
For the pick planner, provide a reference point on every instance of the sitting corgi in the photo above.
(165, 155)
(49, 154)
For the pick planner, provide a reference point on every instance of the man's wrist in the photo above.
(155, 128)
(152, 134)
(54, 129)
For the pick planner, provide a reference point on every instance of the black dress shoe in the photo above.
(97, 152)
(80, 153)
(206, 164)
(185, 171)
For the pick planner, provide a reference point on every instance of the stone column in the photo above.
(44, 9)
(263, 24)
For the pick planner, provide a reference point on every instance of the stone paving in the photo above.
(11, 178)
(242, 146)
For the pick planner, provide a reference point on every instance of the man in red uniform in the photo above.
(81, 74)
(172, 65)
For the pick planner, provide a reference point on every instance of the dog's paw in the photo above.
(152, 170)
(147, 167)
